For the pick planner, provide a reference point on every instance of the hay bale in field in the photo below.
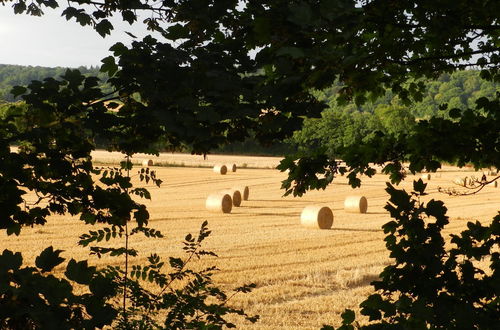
(493, 184)
(461, 181)
(356, 204)
(245, 192)
(426, 176)
(220, 169)
(231, 167)
(315, 216)
(235, 196)
(147, 162)
(219, 202)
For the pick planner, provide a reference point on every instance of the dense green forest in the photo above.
(18, 75)
(459, 90)
(339, 125)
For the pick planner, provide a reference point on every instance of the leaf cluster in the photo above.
(472, 137)
(233, 62)
(33, 298)
(428, 285)
(182, 298)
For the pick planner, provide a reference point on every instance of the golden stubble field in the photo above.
(305, 278)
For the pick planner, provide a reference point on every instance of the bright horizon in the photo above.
(51, 41)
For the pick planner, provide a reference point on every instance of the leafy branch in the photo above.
(427, 285)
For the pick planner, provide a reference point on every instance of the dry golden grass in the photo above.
(305, 277)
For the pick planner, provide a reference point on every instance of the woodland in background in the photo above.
(338, 127)
(21, 75)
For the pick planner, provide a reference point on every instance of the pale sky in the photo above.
(52, 41)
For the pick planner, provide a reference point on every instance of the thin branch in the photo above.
(473, 189)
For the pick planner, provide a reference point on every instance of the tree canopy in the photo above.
(248, 67)
(221, 88)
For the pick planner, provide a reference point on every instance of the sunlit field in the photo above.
(305, 277)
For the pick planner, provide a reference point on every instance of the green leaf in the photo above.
(79, 272)
(48, 259)
(455, 113)
(129, 16)
(18, 90)
(109, 66)
(348, 316)
(419, 186)
(102, 287)
(88, 217)
(178, 31)
(9, 260)
(104, 27)
(141, 216)
(118, 49)
(176, 263)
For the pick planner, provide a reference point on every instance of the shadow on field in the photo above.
(254, 207)
(357, 229)
(363, 281)
(274, 200)
(363, 184)
(285, 214)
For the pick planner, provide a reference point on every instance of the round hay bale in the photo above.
(314, 216)
(231, 167)
(147, 162)
(245, 192)
(235, 196)
(220, 169)
(356, 204)
(219, 202)
(426, 176)
(460, 181)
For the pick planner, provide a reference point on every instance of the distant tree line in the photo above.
(20, 75)
(339, 126)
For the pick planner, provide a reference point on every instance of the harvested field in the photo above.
(305, 277)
